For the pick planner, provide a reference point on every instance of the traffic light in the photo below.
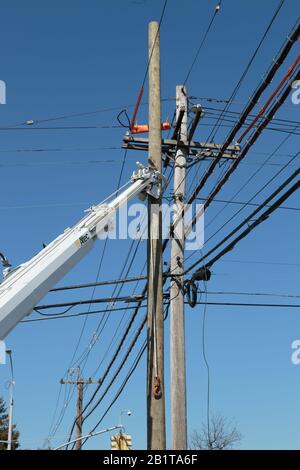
(121, 442)
(125, 442)
(114, 442)
(128, 440)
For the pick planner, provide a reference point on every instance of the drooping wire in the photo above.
(119, 346)
(206, 364)
(257, 221)
(93, 292)
(129, 374)
(255, 195)
(238, 85)
(251, 178)
(155, 39)
(216, 126)
(123, 385)
(121, 113)
(216, 11)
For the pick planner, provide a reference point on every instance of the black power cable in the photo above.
(257, 192)
(254, 224)
(292, 38)
(279, 102)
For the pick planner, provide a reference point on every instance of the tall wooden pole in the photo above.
(156, 433)
(177, 330)
(79, 413)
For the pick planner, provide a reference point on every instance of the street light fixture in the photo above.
(129, 413)
(87, 436)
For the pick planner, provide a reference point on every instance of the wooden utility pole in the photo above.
(177, 329)
(177, 148)
(156, 432)
(80, 382)
(79, 413)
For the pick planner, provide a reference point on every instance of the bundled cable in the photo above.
(191, 286)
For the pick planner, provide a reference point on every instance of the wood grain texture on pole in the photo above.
(156, 433)
(177, 327)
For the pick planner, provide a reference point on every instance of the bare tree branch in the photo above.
(220, 435)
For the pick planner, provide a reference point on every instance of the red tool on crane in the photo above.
(138, 129)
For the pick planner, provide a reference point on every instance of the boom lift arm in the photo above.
(26, 285)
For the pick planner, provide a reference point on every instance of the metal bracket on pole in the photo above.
(195, 148)
(144, 172)
(199, 113)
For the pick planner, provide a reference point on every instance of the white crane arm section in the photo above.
(26, 285)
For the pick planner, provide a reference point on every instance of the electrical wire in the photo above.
(212, 111)
(126, 298)
(86, 317)
(237, 87)
(292, 38)
(255, 212)
(58, 149)
(253, 197)
(155, 39)
(101, 261)
(273, 263)
(246, 204)
(58, 128)
(163, 11)
(216, 11)
(78, 314)
(129, 374)
(256, 222)
(141, 91)
(208, 391)
(269, 100)
(130, 322)
(166, 303)
(279, 102)
(247, 304)
(101, 283)
(123, 385)
(256, 194)
(115, 355)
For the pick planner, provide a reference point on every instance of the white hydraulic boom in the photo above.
(26, 285)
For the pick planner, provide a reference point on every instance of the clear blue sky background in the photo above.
(60, 58)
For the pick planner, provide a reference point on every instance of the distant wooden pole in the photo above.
(79, 413)
(156, 433)
(177, 328)
(80, 382)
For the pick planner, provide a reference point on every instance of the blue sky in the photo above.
(64, 58)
